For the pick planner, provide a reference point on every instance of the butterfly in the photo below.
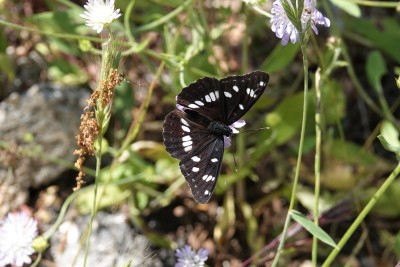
(208, 113)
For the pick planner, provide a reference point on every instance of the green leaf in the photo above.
(313, 229)
(385, 37)
(349, 7)
(376, 68)
(280, 58)
(285, 120)
(389, 137)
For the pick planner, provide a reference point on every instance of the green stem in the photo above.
(299, 156)
(317, 164)
(163, 19)
(261, 11)
(350, 69)
(135, 127)
(38, 259)
(362, 215)
(96, 186)
(388, 4)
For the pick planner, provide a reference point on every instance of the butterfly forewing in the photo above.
(204, 97)
(241, 93)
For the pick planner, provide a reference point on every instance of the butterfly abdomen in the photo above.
(219, 128)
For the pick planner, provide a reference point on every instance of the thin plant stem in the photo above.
(163, 19)
(38, 259)
(317, 163)
(387, 4)
(135, 127)
(350, 69)
(299, 156)
(360, 218)
(102, 117)
(96, 186)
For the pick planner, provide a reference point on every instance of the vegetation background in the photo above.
(168, 44)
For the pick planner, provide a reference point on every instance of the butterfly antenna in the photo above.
(253, 130)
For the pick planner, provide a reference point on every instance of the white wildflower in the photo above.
(283, 27)
(189, 258)
(17, 232)
(100, 13)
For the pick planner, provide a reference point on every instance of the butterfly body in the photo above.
(209, 111)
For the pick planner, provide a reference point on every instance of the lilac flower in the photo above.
(17, 232)
(99, 14)
(233, 126)
(284, 28)
(189, 258)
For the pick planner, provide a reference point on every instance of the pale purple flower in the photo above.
(233, 126)
(17, 232)
(189, 258)
(284, 28)
(100, 13)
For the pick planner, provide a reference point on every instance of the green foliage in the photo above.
(312, 228)
(166, 45)
(389, 138)
(349, 7)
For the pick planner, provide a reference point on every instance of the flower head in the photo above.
(189, 258)
(233, 126)
(284, 28)
(100, 13)
(17, 232)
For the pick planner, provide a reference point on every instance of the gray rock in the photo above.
(43, 122)
(112, 243)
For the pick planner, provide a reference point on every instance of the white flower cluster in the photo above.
(189, 258)
(99, 14)
(17, 232)
(283, 27)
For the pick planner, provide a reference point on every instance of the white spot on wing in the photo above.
(208, 99)
(209, 178)
(186, 129)
(204, 177)
(198, 102)
(186, 138)
(216, 94)
(248, 91)
(184, 122)
(195, 169)
(212, 95)
(187, 143)
(227, 94)
(188, 148)
(196, 159)
(241, 106)
(262, 83)
(193, 106)
(235, 88)
(251, 92)
(206, 192)
(214, 160)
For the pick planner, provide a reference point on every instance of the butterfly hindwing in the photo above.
(181, 134)
(201, 169)
(201, 164)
